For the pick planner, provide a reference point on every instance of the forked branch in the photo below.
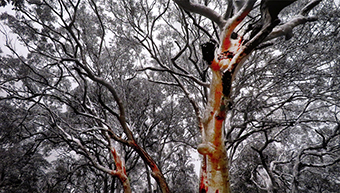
(202, 10)
(219, 19)
(286, 29)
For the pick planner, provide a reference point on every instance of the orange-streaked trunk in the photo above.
(214, 171)
(120, 171)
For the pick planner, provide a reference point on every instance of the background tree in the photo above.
(22, 152)
(102, 77)
(289, 112)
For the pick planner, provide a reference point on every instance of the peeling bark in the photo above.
(227, 60)
(120, 171)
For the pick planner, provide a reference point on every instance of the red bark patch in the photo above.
(215, 65)
(226, 43)
(203, 188)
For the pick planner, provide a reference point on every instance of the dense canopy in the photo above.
(106, 96)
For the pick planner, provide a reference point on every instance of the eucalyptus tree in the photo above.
(79, 75)
(86, 72)
(22, 163)
(286, 114)
(238, 38)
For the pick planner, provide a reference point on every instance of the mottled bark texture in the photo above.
(224, 62)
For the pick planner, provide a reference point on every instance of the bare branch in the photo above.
(321, 164)
(202, 10)
(286, 29)
(232, 23)
(192, 101)
(309, 7)
(164, 82)
(302, 18)
(190, 76)
(89, 155)
(112, 90)
(230, 10)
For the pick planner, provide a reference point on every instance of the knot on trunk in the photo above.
(206, 149)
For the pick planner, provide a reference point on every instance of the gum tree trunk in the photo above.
(215, 169)
(224, 62)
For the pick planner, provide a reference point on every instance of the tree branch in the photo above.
(190, 76)
(202, 10)
(309, 7)
(302, 18)
(112, 90)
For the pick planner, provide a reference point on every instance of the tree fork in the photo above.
(224, 63)
(215, 167)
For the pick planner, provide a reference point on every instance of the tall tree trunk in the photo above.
(214, 171)
(224, 65)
